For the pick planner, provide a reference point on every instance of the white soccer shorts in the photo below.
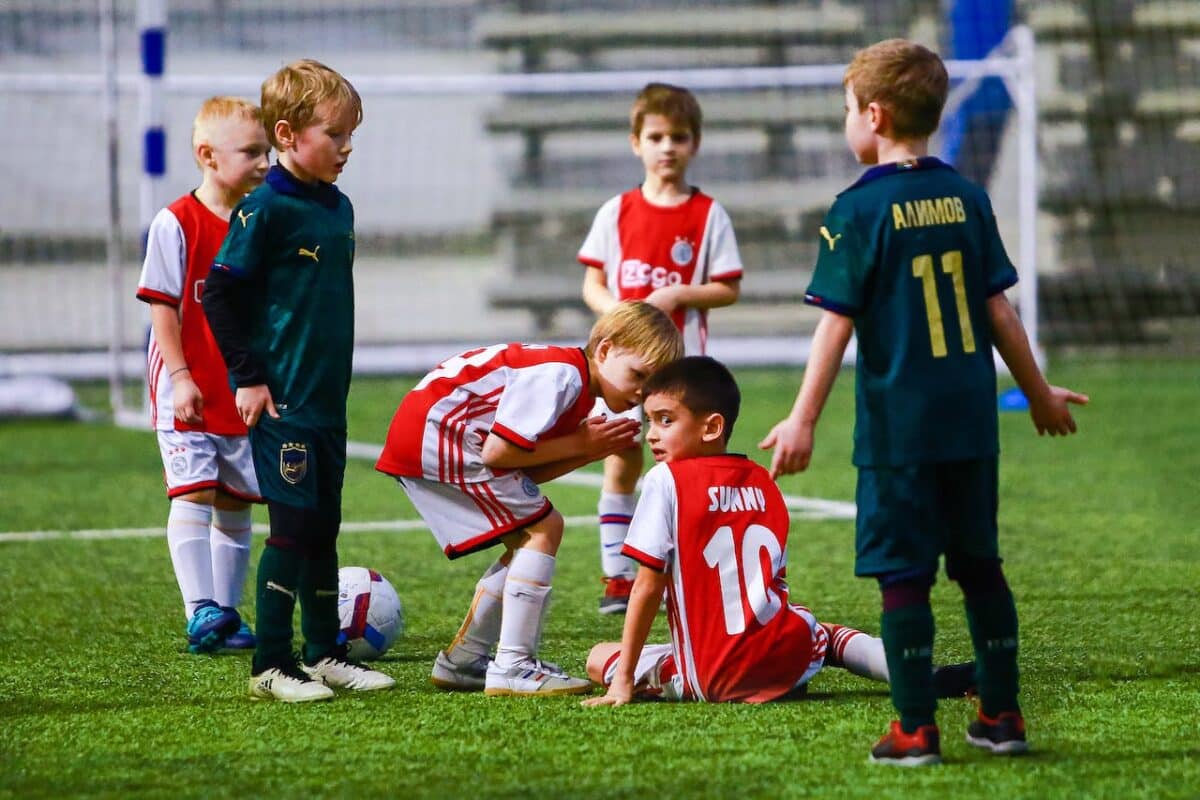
(467, 517)
(194, 460)
(601, 409)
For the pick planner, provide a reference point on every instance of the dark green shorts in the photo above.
(299, 465)
(909, 516)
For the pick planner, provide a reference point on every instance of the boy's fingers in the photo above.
(769, 442)
(271, 408)
(1078, 399)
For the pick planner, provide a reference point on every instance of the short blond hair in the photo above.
(295, 91)
(907, 79)
(639, 328)
(673, 102)
(217, 109)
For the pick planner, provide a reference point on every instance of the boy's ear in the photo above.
(284, 134)
(714, 427)
(602, 350)
(635, 144)
(878, 117)
(204, 154)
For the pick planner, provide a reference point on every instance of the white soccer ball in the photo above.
(372, 618)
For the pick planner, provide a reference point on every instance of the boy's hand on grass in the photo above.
(604, 436)
(793, 443)
(186, 397)
(1051, 413)
(252, 402)
(620, 693)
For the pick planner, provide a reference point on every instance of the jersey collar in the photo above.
(883, 170)
(285, 182)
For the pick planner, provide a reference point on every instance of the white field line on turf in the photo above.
(394, 525)
(808, 508)
(802, 507)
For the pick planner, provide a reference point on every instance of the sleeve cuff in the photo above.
(645, 559)
(1008, 282)
(512, 437)
(829, 305)
(727, 276)
(590, 262)
(151, 296)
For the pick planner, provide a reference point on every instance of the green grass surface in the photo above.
(98, 697)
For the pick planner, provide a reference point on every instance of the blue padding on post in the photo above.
(156, 151)
(154, 51)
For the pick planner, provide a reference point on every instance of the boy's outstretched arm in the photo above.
(596, 438)
(792, 437)
(644, 600)
(1047, 404)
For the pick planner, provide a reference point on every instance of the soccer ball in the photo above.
(372, 618)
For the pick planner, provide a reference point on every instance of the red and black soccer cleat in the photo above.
(616, 595)
(1003, 736)
(920, 748)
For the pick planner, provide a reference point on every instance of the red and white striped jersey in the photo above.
(642, 247)
(520, 392)
(180, 247)
(717, 525)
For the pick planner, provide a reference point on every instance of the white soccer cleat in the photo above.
(338, 673)
(458, 677)
(532, 678)
(288, 685)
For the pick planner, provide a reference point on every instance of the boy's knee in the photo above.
(622, 470)
(227, 502)
(202, 497)
(546, 534)
(906, 588)
(599, 658)
(976, 576)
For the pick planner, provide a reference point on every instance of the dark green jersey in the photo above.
(911, 252)
(292, 246)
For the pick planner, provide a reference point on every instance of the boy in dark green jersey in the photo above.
(280, 302)
(911, 262)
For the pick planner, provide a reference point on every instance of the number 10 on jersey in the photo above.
(741, 574)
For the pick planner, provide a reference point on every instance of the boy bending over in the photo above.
(711, 529)
(470, 444)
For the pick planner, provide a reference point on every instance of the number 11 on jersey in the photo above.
(745, 574)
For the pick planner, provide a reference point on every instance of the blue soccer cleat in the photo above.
(242, 638)
(210, 626)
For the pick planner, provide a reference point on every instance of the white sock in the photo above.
(526, 591)
(230, 555)
(188, 540)
(859, 653)
(615, 510)
(481, 628)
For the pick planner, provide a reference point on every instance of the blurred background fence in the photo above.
(471, 204)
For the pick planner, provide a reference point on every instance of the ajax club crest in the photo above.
(293, 461)
(682, 252)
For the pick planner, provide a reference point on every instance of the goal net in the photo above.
(492, 133)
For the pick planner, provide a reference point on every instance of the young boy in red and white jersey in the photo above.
(470, 444)
(206, 455)
(667, 243)
(711, 529)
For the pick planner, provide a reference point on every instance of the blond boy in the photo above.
(207, 467)
(471, 443)
(911, 261)
(667, 243)
(280, 302)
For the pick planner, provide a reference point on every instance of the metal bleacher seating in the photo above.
(775, 189)
(1120, 131)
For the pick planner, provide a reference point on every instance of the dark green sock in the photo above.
(318, 606)
(992, 620)
(275, 597)
(908, 643)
